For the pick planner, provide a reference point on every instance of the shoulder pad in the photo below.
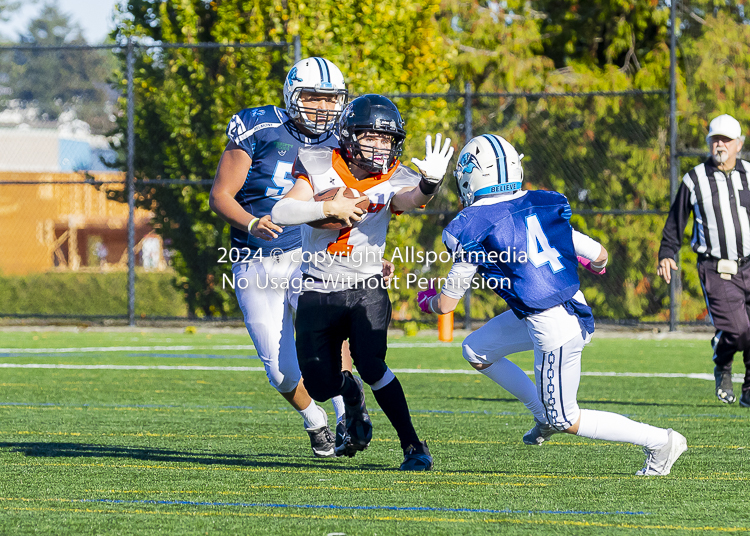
(315, 160)
(250, 120)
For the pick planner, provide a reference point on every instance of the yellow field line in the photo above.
(421, 519)
(375, 440)
(335, 488)
(356, 472)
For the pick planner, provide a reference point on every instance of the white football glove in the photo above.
(436, 160)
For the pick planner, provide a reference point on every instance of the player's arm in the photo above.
(591, 254)
(432, 168)
(671, 240)
(298, 207)
(230, 176)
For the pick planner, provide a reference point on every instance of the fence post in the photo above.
(131, 186)
(297, 49)
(675, 285)
(468, 135)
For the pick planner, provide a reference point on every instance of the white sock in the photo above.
(338, 408)
(314, 415)
(510, 377)
(613, 427)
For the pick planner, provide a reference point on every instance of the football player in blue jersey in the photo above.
(522, 243)
(253, 174)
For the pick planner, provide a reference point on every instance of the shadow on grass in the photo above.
(270, 459)
(478, 398)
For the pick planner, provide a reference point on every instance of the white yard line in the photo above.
(128, 367)
(695, 376)
(102, 349)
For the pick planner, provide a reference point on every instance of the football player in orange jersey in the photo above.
(344, 296)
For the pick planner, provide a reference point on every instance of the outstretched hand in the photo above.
(435, 163)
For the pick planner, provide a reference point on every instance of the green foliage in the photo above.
(7, 7)
(64, 293)
(57, 81)
(604, 153)
(185, 97)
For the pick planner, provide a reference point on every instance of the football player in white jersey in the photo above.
(253, 174)
(344, 296)
(540, 284)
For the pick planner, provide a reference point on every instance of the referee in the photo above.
(717, 194)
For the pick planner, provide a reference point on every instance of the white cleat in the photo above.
(659, 461)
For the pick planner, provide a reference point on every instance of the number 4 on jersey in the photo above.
(539, 250)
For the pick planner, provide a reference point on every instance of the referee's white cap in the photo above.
(725, 125)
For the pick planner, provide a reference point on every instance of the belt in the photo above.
(360, 284)
(713, 260)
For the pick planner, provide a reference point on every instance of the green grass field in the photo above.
(217, 451)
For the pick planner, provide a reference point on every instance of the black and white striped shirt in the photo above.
(721, 206)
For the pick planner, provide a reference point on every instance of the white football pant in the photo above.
(269, 313)
(557, 366)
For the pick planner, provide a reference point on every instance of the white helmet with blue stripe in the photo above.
(487, 166)
(314, 75)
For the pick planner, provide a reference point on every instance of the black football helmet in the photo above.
(370, 113)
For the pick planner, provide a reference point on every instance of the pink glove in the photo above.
(424, 297)
(587, 264)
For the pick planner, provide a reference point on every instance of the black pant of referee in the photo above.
(728, 302)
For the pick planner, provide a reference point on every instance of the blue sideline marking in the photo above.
(392, 508)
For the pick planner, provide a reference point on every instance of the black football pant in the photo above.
(361, 315)
(728, 303)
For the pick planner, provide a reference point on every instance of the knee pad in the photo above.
(287, 384)
(283, 382)
(321, 388)
(472, 357)
(559, 417)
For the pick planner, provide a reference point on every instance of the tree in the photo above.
(7, 7)
(604, 153)
(61, 80)
(185, 98)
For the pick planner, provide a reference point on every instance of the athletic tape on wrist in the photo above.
(427, 187)
(599, 266)
(430, 304)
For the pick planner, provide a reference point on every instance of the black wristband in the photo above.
(429, 188)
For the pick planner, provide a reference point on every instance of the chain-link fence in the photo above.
(99, 209)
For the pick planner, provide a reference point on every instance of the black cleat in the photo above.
(358, 433)
(540, 433)
(724, 390)
(322, 442)
(417, 458)
(745, 399)
(341, 436)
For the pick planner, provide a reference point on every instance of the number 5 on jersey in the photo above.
(538, 248)
(282, 180)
